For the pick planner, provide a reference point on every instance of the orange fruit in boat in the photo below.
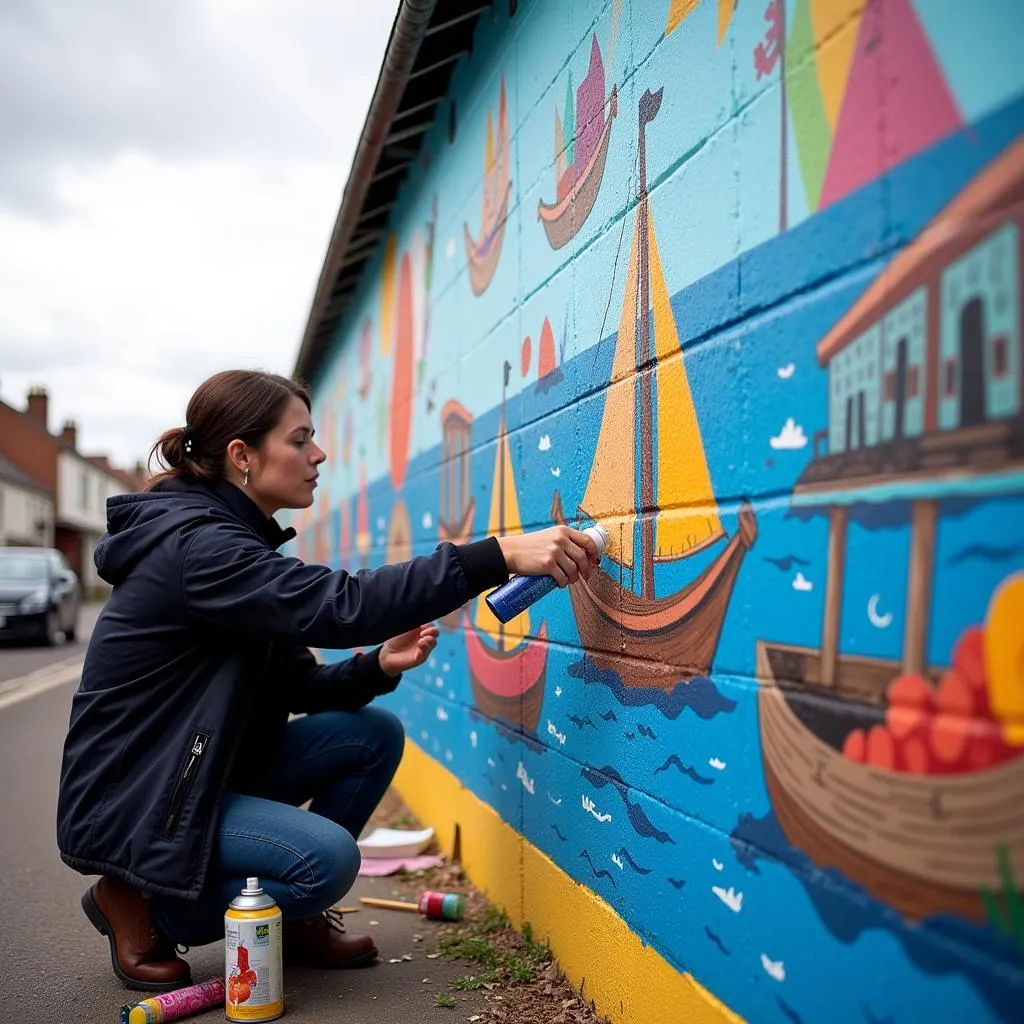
(855, 746)
(949, 736)
(914, 756)
(969, 657)
(1004, 657)
(911, 691)
(904, 721)
(985, 750)
(881, 751)
(956, 696)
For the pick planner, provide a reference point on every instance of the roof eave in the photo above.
(407, 35)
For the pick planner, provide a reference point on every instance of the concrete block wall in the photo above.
(768, 767)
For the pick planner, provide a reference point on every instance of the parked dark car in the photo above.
(40, 595)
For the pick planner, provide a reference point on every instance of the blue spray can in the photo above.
(521, 591)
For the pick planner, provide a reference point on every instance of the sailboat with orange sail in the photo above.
(651, 641)
(507, 672)
(484, 252)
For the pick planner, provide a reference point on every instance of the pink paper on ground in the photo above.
(374, 866)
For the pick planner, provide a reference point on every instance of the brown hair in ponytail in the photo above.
(243, 404)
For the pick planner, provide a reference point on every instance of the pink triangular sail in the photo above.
(897, 101)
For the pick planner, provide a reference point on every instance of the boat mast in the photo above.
(650, 104)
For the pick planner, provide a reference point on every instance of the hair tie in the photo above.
(189, 443)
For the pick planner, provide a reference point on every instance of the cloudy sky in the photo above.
(170, 172)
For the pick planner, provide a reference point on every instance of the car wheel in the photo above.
(52, 633)
(71, 629)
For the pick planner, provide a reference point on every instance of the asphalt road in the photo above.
(55, 969)
(20, 657)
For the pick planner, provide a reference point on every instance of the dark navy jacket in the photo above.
(203, 640)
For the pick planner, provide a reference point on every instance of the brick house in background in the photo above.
(78, 485)
(26, 509)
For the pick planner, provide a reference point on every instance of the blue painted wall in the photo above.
(811, 843)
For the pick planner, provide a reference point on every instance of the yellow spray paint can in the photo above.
(253, 981)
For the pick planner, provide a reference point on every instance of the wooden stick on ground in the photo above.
(372, 901)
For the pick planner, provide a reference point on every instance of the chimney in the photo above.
(37, 406)
(69, 434)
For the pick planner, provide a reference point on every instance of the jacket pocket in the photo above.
(183, 783)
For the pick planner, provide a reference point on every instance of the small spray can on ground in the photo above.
(437, 906)
(168, 1006)
(514, 597)
(442, 906)
(253, 980)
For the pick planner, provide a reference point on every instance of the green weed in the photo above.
(518, 969)
(1006, 914)
(469, 947)
(471, 982)
(494, 921)
(534, 950)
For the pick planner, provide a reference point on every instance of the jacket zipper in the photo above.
(185, 779)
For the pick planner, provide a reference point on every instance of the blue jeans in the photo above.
(306, 860)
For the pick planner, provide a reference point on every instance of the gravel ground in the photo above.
(520, 980)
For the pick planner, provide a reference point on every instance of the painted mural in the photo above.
(507, 670)
(623, 626)
(484, 251)
(582, 137)
(758, 311)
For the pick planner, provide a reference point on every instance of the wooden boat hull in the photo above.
(508, 685)
(924, 844)
(482, 265)
(458, 533)
(659, 643)
(563, 219)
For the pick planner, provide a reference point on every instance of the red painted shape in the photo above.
(546, 356)
(400, 413)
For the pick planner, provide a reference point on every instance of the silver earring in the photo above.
(245, 478)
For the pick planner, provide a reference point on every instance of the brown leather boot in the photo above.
(141, 957)
(322, 941)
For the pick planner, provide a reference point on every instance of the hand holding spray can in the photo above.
(252, 956)
(514, 597)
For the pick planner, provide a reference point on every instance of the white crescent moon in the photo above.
(876, 620)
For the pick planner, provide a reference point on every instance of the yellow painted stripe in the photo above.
(629, 982)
